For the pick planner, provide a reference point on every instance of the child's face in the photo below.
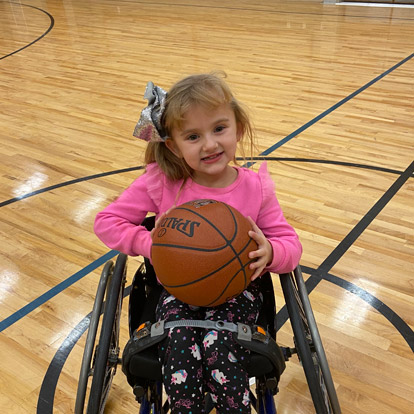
(207, 140)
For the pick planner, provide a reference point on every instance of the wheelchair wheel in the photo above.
(107, 351)
(86, 368)
(308, 344)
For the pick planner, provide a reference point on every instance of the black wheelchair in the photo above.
(140, 361)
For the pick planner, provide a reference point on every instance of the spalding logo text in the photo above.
(186, 227)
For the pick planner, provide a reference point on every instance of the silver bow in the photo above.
(149, 126)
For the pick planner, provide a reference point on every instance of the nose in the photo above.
(210, 143)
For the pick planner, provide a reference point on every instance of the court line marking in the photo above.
(248, 164)
(25, 310)
(402, 327)
(52, 23)
(51, 378)
(112, 253)
(61, 285)
(330, 162)
(66, 183)
(333, 107)
(347, 242)
(141, 167)
(28, 308)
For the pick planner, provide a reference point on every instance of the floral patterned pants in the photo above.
(196, 360)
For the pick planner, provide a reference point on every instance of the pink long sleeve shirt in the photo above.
(253, 194)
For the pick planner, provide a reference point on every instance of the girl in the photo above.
(193, 133)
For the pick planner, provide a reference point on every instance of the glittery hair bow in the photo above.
(149, 126)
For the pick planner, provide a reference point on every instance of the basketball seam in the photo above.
(212, 224)
(225, 288)
(228, 241)
(198, 249)
(215, 270)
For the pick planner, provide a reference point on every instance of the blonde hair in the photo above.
(209, 91)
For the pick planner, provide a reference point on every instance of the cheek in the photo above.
(233, 141)
(189, 153)
(174, 148)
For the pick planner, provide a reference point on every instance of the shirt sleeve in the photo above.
(119, 224)
(287, 248)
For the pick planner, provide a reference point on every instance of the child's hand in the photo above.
(159, 220)
(264, 252)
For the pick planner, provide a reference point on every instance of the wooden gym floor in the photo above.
(330, 89)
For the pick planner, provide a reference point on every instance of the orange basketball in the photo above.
(200, 252)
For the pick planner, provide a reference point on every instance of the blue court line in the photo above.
(74, 278)
(328, 111)
(333, 107)
(5, 323)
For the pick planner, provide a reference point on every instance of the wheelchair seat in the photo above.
(140, 362)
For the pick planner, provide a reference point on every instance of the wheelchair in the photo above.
(140, 362)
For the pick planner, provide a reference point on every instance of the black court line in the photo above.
(329, 162)
(352, 236)
(51, 378)
(141, 167)
(83, 272)
(321, 272)
(47, 391)
(134, 168)
(48, 387)
(52, 23)
(402, 327)
(248, 164)
(70, 182)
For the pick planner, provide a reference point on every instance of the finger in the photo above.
(258, 263)
(256, 274)
(257, 254)
(255, 227)
(254, 236)
(254, 254)
(259, 238)
(157, 222)
(160, 218)
(253, 224)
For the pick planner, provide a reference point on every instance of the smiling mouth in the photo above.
(212, 157)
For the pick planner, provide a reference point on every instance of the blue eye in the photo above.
(192, 137)
(219, 128)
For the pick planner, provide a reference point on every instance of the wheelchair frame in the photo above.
(100, 361)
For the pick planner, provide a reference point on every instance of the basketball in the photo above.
(200, 252)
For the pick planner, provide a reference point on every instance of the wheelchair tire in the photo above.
(317, 342)
(107, 351)
(309, 345)
(91, 337)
